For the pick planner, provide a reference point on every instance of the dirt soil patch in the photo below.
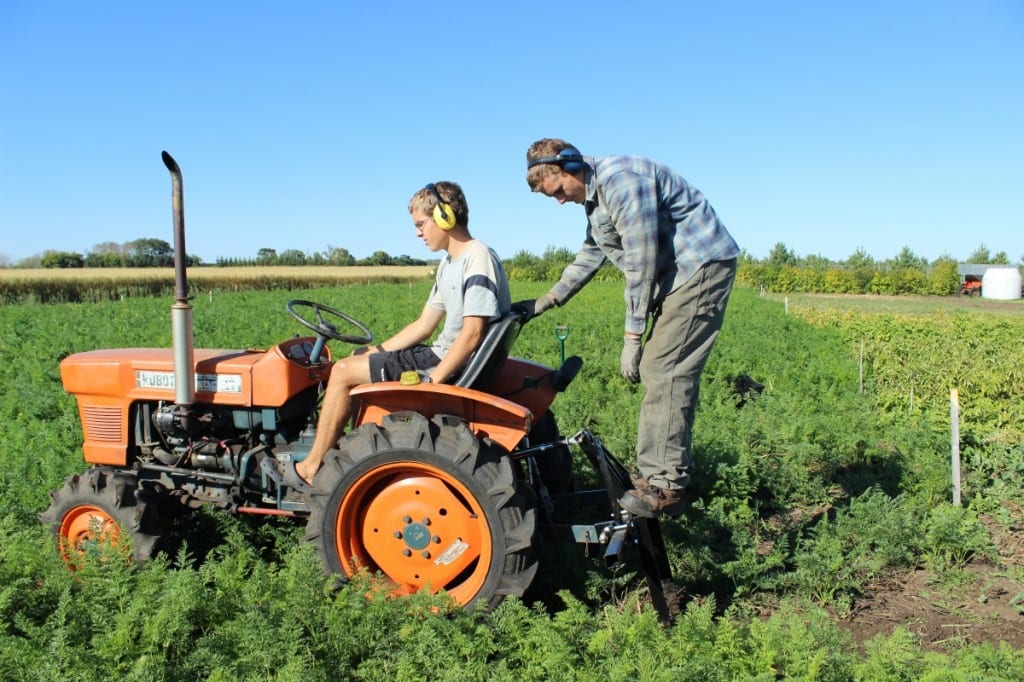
(982, 602)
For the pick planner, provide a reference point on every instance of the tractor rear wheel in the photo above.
(94, 508)
(428, 505)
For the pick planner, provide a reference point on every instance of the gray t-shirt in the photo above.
(474, 284)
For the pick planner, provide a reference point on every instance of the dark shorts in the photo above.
(389, 365)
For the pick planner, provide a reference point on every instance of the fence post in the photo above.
(860, 368)
(954, 417)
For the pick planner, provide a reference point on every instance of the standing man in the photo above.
(679, 263)
(470, 290)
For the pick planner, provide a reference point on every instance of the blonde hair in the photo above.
(450, 192)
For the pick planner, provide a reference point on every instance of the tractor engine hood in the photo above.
(107, 383)
(245, 378)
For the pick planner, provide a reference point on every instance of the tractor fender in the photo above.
(488, 416)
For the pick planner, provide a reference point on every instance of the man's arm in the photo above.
(588, 261)
(416, 331)
(473, 330)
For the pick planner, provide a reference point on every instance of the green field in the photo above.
(808, 496)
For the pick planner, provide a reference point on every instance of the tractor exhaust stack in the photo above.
(181, 311)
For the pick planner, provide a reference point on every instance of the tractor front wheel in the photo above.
(94, 508)
(428, 505)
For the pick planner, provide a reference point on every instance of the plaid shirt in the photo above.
(649, 223)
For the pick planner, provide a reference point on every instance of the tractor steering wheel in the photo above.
(324, 328)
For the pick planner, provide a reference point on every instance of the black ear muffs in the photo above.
(443, 214)
(569, 159)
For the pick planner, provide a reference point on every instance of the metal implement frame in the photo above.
(620, 528)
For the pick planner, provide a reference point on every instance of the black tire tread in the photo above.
(481, 461)
(119, 494)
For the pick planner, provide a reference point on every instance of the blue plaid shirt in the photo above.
(651, 224)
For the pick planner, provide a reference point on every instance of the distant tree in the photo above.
(106, 255)
(746, 258)
(944, 277)
(339, 256)
(1001, 258)
(980, 255)
(554, 255)
(105, 260)
(292, 257)
(266, 256)
(61, 259)
(781, 255)
(522, 259)
(107, 247)
(860, 259)
(407, 260)
(908, 260)
(149, 253)
(816, 262)
(378, 258)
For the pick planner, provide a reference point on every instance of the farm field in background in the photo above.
(222, 273)
(915, 349)
(90, 285)
(820, 542)
(870, 303)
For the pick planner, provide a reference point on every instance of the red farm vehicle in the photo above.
(435, 486)
(971, 275)
(970, 286)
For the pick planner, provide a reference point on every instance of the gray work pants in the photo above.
(679, 340)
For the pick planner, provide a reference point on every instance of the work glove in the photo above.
(532, 307)
(629, 361)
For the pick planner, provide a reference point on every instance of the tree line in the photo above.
(154, 253)
(138, 253)
(905, 273)
(781, 271)
(333, 255)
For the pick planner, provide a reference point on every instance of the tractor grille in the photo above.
(102, 423)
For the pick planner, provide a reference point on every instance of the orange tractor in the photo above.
(435, 486)
(970, 286)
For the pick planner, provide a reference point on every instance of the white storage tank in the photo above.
(1002, 283)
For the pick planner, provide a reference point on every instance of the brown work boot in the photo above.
(650, 501)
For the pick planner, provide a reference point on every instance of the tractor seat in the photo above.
(487, 359)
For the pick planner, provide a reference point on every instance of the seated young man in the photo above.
(470, 290)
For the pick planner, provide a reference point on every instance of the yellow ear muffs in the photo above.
(443, 214)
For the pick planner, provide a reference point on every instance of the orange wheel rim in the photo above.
(418, 525)
(85, 527)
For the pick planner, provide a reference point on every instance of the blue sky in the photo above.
(826, 126)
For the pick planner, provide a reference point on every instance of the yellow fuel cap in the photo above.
(409, 378)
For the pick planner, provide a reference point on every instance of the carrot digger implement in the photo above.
(434, 486)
